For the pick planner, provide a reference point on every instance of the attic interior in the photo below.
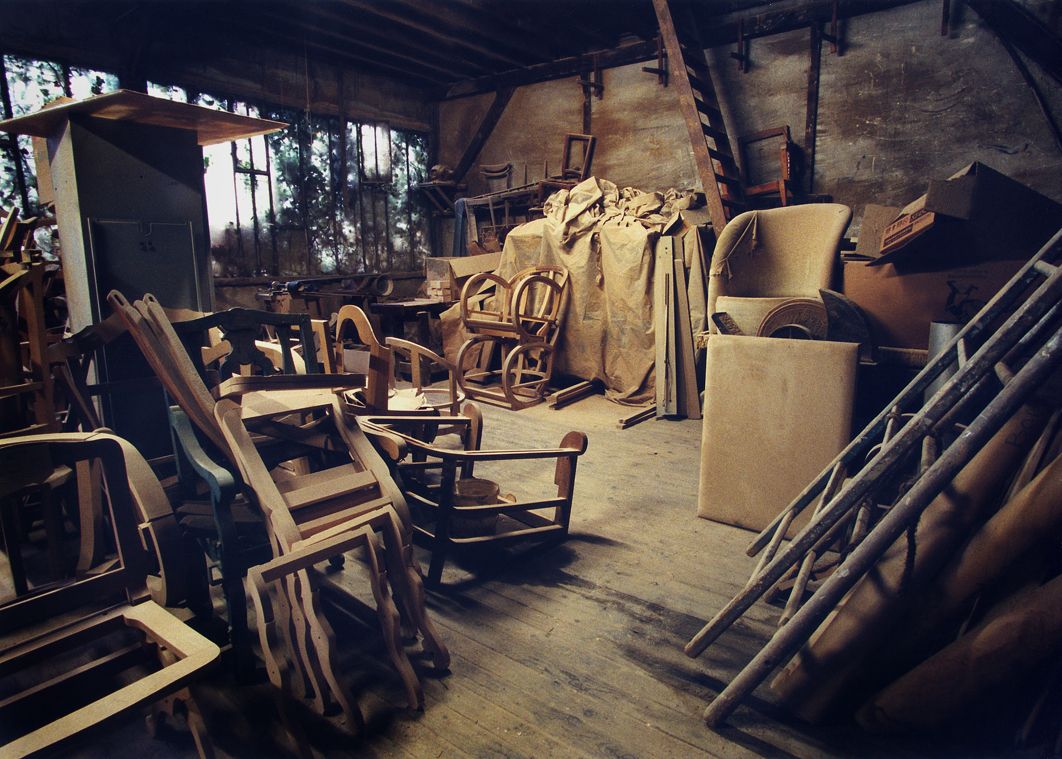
(637, 378)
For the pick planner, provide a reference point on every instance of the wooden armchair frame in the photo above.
(438, 497)
(341, 498)
(523, 322)
(29, 637)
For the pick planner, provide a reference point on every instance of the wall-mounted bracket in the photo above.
(834, 37)
(593, 81)
(661, 62)
(741, 51)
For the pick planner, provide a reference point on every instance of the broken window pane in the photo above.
(88, 82)
(167, 91)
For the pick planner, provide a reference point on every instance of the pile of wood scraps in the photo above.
(926, 583)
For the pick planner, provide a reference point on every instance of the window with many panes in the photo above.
(322, 196)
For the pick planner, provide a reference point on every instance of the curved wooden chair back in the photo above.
(528, 306)
(351, 321)
(161, 346)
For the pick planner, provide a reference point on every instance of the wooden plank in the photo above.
(486, 126)
(663, 310)
(689, 400)
(636, 418)
(568, 395)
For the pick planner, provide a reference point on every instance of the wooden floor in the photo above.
(570, 651)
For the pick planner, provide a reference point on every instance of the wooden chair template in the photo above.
(382, 367)
(413, 460)
(523, 320)
(36, 628)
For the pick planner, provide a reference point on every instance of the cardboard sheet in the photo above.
(605, 238)
(776, 412)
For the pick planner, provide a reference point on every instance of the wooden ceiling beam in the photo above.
(351, 59)
(559, 38)
(559, 69)
(391, 54)
(458, 19)
(383, 11)
(414, 45)
(783, 17)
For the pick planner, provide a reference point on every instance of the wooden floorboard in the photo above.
(575, 650)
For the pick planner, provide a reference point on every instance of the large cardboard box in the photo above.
(446, 276)
(943, 256)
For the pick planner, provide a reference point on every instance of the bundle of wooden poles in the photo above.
(926, 589)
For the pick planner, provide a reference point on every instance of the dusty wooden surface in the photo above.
(568, 651)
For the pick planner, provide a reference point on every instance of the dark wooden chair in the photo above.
(434, 479)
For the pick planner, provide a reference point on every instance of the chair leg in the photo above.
(387, 613)
(409, 587)
(438, 559)
(239, 633)
(323, 643)
(276, 661)
(317, 692)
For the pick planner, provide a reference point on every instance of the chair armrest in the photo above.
(220, 481)
(392, 445)
(194, 654)
(241, 385)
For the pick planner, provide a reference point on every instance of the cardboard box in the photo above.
(973, 216)
(446, 276)
(943, 256)
(899, 306)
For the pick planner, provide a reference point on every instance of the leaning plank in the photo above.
(663, 319)
(689, 400)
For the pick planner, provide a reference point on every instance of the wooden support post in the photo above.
(486, 126)
(812, 121)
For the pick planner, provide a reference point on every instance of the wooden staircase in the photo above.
(712, 153)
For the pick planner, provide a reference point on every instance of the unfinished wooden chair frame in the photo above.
(91, 608)
(344, 497)
(523, 322)
(782, 185)
(381, 379)
(450, 465)
(23, 367)
(1015, 341)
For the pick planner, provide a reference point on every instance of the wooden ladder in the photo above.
(716, 167)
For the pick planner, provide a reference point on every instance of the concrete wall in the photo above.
(900, 106)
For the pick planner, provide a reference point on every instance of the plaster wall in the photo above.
(901, 105)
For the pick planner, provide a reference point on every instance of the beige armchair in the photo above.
(764, 258)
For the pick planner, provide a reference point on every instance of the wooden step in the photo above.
(715, 134)
(711, 111)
